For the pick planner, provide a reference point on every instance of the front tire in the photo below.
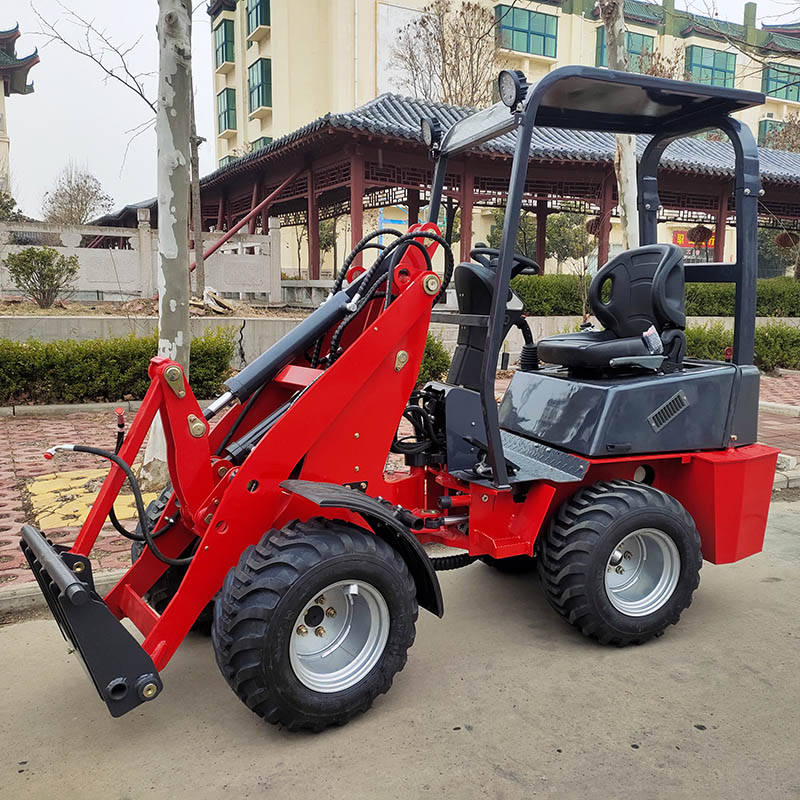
(313, 623)
(620, 561)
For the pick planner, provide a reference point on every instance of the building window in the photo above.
(712, 67)
(223, 42)
(260, 143)
(257, 14)
(765, 130)
(225, 160)
(639, 46)
(226, 110)
(259, 79)
(526, 31)
(782, 81)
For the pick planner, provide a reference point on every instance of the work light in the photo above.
(431, 132)
(513, 87)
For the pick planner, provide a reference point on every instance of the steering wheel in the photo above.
(487, 256)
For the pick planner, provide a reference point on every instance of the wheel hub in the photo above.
(350, 620)
(642, 572)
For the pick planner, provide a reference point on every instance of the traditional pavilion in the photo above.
(373, 157)
(14, 77)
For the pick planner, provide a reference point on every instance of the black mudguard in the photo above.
(382, 518)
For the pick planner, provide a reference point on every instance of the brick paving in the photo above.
(24, 439)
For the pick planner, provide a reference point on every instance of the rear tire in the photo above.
(310, 577)
(620, 561)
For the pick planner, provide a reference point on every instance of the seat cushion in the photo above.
(589, 349)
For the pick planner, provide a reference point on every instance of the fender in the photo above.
(382, 518)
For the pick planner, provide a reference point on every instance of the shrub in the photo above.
(42, 273)
(103, 369)
(550, 295)
(777, 344)
(435, 361)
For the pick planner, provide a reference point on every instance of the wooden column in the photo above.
(467, 199)
(719, 231)
(313, 229)
(606, 204)
(412, 202)
(221, 212)
(541, 232)
(251, 226)
(356, 201)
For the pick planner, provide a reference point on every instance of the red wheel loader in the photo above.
(613, 465)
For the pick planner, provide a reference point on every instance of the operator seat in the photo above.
(646, 288)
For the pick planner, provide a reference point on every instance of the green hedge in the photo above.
(103, 369)
(435, 361)
(551, 295)
(777, 344)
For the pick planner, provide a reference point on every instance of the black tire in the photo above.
(262, 597)
(574, 556)
(163, 590)
(514, 565)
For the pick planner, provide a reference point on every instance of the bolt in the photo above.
(760, 192)
(149, 691)
(206, 547)
(319, 631)
(627, 555)
(302, 630)
(208, 518)
(79, 567)
(320, 601)
(747, 191)
(357, 469)
(221, 471)
(331, 612)
(484, 498)
(619, 570)
(363, 485)
(647, 206)
(356, 435)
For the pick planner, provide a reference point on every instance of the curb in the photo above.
(75, 408)
(29, 597)
(784, 409)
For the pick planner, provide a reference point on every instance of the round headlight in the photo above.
(512, 86)
(431, 131)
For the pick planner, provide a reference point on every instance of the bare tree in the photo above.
(449, 54)
(87, 39)
(611, 13)
(666, 65)
(76, 197)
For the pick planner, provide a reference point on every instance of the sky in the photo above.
(75, 114)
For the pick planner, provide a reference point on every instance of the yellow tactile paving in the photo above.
(64, 499)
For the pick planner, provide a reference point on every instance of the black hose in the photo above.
(390, 277)
(443, 563)
(362, 245)
(238, 421)
(147, 536)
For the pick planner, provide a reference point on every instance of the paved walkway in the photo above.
(56, 495)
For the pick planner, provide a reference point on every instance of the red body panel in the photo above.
(339, 429)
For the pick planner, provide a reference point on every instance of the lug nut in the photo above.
(319, 631)
(302, 630)
(320, 601)
(331, 612)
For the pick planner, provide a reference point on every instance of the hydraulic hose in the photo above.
(147, 536)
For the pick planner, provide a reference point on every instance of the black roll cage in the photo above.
(590, 98)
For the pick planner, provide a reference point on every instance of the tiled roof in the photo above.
(648, 12)
(397, 117)
(780, 41)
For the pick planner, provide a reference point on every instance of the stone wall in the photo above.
(121, 263)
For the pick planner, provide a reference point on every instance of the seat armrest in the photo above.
(646, 362)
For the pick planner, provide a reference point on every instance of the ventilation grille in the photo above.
(667, 412)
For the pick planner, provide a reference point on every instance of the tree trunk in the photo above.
(797, 264)
(335, 253)
(625, 156)
(173, 131)
(197, 210)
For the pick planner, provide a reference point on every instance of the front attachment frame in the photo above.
(122, 672)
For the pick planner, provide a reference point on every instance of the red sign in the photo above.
(681, 239)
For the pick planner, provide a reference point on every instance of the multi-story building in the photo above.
(281, 63)
(13, 80)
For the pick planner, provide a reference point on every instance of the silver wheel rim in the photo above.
(642, 572)
(339, 636)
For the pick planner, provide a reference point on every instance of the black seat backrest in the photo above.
(647, 288)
